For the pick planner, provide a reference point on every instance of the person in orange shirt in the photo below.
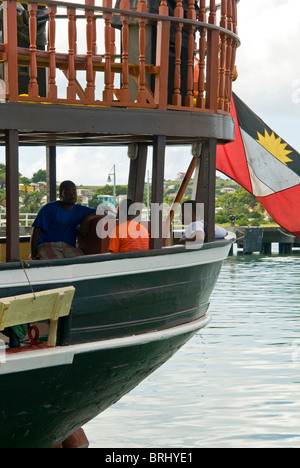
(129, 235)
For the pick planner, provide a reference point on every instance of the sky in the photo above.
(268, 82)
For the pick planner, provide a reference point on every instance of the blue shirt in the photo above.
(58, 224)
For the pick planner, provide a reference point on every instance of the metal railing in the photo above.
(25, 219)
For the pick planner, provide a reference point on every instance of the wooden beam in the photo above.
(12, 195)
(209, 161)
(51, 173)
(137, 172)
(159, 145)
(181, 191)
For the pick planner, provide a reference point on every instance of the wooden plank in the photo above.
(12, 195)
(209, 155)
(158, 168)
(137, 171)
(43, 305)
(51, 173)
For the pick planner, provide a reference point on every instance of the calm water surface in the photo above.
(236, 383)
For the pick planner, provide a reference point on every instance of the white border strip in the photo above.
(56, 274)
(60, 356)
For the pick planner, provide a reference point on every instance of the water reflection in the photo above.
(235, 384)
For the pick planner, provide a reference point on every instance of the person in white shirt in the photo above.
(195, 229)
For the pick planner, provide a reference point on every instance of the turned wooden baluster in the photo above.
(212, 68)
(52, 88)
(162, 58)
(125, 91)
(228, 76)
(222, 79)
(141, 94)
(202, 48)
(90, 39)
(33, 87)
(189, 99)
(178, 13)
(212, 19)
(108, 89)
(234, 47)
(71, 89)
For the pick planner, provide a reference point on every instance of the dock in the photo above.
(260, 239)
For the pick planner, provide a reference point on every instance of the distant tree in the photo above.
(238, 204)
(40, 176)
(3, 197)
(31, 202)
(25, 181)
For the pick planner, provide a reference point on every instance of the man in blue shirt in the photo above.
(56, 226)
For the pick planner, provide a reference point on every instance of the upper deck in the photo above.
(86, 74)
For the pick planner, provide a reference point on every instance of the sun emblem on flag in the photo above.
(275, 146)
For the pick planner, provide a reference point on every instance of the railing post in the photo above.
(10, 47)
(222, 79)
(52, 88)
(108, 92)
(202, 53)
(125, 91)
(189, 98)
(141, 94)
(234, 46)
(212, 62)
(71, 89)
(162, 58)
(90, 41)
(178, 13)
(33, 87)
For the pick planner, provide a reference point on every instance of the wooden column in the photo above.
(209, 176)
(137, 172)
(198, 185)
(10, 47)
(51, 173)
(158, 166)
(12, 195)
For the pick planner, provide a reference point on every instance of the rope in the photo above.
(30, 285)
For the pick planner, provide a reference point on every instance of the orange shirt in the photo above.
(129, 237)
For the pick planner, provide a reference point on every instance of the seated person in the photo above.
(56, 225)
(129, 235)
(195, 229)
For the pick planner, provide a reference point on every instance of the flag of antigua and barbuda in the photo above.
(265, 165)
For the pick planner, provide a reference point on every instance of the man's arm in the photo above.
(85, 223)
(34, 242)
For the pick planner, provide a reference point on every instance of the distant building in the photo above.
(227, 190)
(85, 195)
(105, 199)
(180, 175)
(26, 188)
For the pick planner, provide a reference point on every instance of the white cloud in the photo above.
(268, 64)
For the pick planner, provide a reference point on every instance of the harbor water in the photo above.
(236, 383)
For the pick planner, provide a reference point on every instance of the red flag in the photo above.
(265, 165)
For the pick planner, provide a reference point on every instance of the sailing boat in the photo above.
(112, 319)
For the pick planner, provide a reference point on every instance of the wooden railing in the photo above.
(189, 64)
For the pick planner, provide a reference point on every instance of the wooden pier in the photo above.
(260, 239)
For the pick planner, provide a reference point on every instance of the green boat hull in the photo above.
(130, 314)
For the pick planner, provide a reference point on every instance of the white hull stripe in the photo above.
(127, 266)
(60, 356)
